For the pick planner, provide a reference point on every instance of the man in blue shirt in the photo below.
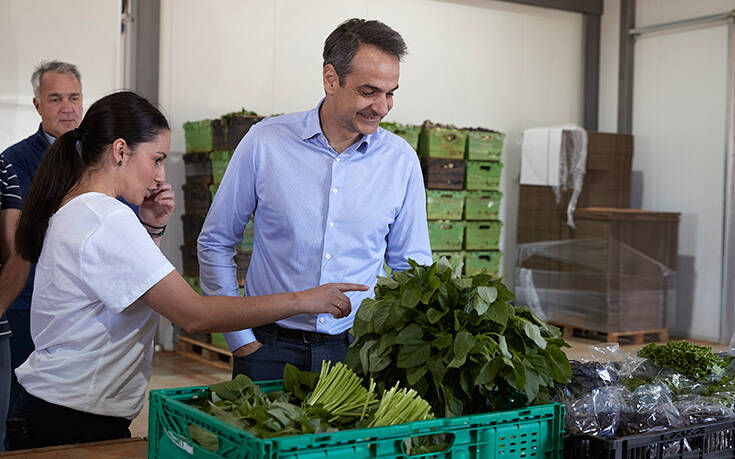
(57, 91)
(9, 189)
(333, 197)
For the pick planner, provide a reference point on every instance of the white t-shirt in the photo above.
(93, 339)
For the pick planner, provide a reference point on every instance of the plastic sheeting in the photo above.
(572, 166)
(595, 284)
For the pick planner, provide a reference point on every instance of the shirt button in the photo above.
(337, 160)
(328, 257)
(322, 320)
(331, 223)
(334, 190)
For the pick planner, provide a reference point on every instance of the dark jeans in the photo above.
(4, 386)
(21, 346)
(35, 423)
(267, 363)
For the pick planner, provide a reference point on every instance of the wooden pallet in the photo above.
(205, 352)
(630, 337)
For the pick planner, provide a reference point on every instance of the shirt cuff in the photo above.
(238, 339)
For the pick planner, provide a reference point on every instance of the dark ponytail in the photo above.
(123, 115)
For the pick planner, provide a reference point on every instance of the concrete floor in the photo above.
(171, 370)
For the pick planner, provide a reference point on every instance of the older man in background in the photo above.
(57, 91)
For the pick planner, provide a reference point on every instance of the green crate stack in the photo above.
(472, 214)
(482, 202)
(209, 149)
(444, 207)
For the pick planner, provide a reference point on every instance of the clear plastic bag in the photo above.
(696, 409)
(623, 362)
(586, 376)
(650, 408)
(597, 413)
(649, 373)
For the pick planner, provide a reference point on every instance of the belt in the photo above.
(302, 336)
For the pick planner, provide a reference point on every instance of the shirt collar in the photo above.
(45, 135)
(51, 139)
(313, 128)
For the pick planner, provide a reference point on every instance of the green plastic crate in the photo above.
(475, 262)
(446, 235)
(483, 175)
(218, 339)
(213, 190)
(444, 205)
(203, 136)
(436, 142)
(482, 205)
(482, 235)
(533, 432)
(454, 258)
(409, 132)
(220, 160)
(485, 145)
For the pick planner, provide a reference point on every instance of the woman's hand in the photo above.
(157, 208)
(328, 298)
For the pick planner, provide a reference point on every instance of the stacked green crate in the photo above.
(209, 149)
(444, 207)
(482, 202)
(464, 225)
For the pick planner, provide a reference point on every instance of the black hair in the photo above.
(342, 44)
(123, 115)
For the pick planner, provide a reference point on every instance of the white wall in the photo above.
(470, 63)
(83, 32)
(609, 57)
(679, 127)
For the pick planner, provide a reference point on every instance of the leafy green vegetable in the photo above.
(331, 400)
(457, 341)
(693, 361)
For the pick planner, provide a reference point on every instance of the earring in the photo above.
(119, 163)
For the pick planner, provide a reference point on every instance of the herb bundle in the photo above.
(456, 341)
(693, 361)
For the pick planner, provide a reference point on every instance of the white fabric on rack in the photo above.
(540, 156)
(555, 156)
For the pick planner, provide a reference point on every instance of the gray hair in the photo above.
(52, 66)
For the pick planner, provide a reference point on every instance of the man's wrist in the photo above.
(247, 349)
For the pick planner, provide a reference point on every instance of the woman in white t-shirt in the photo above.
(101, 279)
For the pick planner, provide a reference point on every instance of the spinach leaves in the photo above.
(456, 341)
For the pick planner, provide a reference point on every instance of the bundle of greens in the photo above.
(456, 341)
(400, 405)
(694, 362)
(341, 393)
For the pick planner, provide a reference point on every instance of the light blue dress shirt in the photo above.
(319, 216)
